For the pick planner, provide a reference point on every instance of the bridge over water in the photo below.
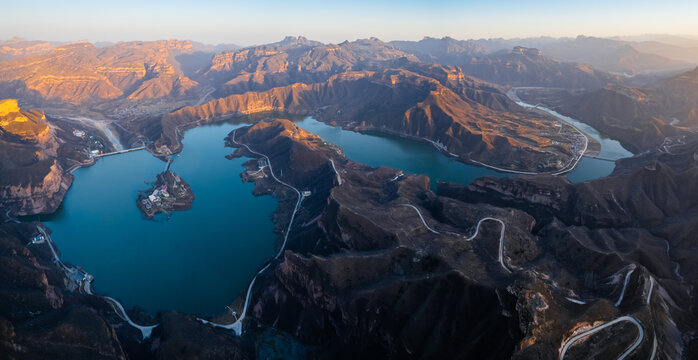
(120, 151)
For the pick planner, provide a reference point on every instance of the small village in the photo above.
(94, 144)
(170, 193)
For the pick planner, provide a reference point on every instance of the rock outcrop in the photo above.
(80, 72)
(293, 61)
(33, 180)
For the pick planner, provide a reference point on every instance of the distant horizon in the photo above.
(243, 44)
(331, 21)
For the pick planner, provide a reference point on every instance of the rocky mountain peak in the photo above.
(27, 125)
(8, 106)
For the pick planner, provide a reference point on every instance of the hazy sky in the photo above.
(262, 21)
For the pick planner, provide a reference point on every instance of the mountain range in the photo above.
(374, 262)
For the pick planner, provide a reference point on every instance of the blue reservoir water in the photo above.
(418, 157)
(198, 260)
(409, 155)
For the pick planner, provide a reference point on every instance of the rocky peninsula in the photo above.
(394, 268)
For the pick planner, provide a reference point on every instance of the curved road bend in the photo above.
(237, 325)
(500, 255)
(625, 285)
(11, 218)
(598, 328)
(422, 218)
(119, 310)
(576, 301)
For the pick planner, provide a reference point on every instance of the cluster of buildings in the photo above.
(155, 198)
(38, 239)
(165, 195)
(79, 133)
(96, 146)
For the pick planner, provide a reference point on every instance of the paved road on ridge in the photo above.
(237, 325)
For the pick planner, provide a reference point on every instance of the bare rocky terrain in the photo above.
(364, 265)
(375, 263)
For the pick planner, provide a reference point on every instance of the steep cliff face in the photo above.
(35, 189)
(33, 181)
(79, 72)
(448, 108)
(435, 279)
(285, 63)
(24, 125)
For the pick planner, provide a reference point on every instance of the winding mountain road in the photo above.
(500, 255)
(237, 325)
(625, 285)
(569, 342)
(422, 218)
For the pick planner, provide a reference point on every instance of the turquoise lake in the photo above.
(423, 158)
(197, 261)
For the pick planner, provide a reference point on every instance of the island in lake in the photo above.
(169, 193)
